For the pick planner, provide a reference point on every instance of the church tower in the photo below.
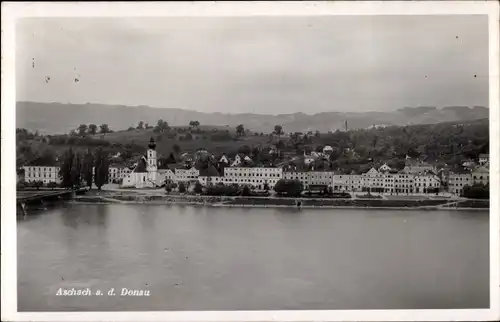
(152, 166)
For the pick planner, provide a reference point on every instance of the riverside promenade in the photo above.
(159, 196)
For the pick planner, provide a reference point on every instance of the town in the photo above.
(285, 173)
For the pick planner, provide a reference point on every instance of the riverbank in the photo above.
(268, 202)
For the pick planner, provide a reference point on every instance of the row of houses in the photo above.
(415, 178)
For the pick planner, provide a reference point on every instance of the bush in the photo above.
(289, 188)
(21, 185)
(246, 191)
(198, 188)
(52, 185)
(477, 191)
(182, 187)
(222, 190)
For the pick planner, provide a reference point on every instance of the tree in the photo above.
(87, 168)
(476, 191)
(82, 129)
(161, 126)
(104, 128)
(246, 191)
(176, 148)
(195, 124)
(182, 187)
(21, 184)
(278, 130)
(140, 126)
(76, 170)
(266, 186)
(65, 169)
(198, 188)
(170, 159)
(101, 172)
(290, 188)
(244, 149)
(92, 129)
(240, 130)
(37, 184)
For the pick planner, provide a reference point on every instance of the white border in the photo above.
(12, 11)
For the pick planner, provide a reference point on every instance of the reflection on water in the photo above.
(204, 258)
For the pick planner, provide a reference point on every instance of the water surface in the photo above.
(202, 258)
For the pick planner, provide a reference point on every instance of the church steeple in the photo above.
(152, 144)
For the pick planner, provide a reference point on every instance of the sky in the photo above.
(265, 65)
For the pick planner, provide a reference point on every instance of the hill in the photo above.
(357, 150)
(51, 118)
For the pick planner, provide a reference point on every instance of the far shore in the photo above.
(115, 197)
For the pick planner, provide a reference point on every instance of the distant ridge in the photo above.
(52, 118)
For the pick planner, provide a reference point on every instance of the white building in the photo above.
(484, 159)
(404, 183)
(168, 175)
(224, 159)
(327, 149)
(384, 168)
(426, 183)
(309, 178)
(145, 174)
(373, 181)
(210, 176)
(457, 182)
(186, 175)
(481, 175)
(118, 172)
(256, 177)
(46, 174)
(347, 182)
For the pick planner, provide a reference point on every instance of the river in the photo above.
(203, 258)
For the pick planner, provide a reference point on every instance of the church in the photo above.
(145, 173)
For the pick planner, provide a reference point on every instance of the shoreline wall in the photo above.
(217, 201)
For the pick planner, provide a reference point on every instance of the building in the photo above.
(457, 181)
(241, 159)
(327, 150)
(481, 175)
(484, 159)
(224, 159)
(145, 173)
(419, 168)
(310, 178)
(426, 183)
(384, 168)
(186, 175)
(403, 183)
(373, 181)
(46, 174)
(347, 182)
(210, 176)
(257, 177)
(118, 172)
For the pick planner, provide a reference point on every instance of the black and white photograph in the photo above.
(251, 162)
